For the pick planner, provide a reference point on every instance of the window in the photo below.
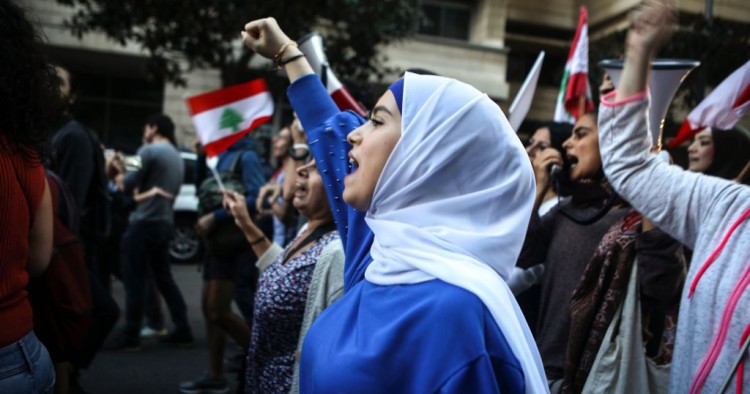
(114, 95)
(117, 107)
(446, 20)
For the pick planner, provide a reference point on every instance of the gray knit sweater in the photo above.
(698, 211)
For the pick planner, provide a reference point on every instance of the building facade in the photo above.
(490, 44)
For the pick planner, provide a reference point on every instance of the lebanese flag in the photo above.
(721, 109)
(222, 117)
(575, 91)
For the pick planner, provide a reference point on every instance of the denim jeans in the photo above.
(144, 247)
(25, 367)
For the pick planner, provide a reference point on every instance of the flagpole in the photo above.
(744, 172)
(581, 106)
(217, 177)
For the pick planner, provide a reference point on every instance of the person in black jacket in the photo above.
(74, 150)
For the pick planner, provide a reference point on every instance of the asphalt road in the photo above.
(156, 368)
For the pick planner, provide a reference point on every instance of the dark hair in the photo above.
(29, 88)
(558, 133)
(164, 126)
(71, 76)
(65, 103)
(731, 153)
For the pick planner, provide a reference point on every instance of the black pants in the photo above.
(145, 247)
(104, 313)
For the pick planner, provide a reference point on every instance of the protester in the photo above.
(443, 235)
(226, 257)
(722, 153)
(146, 241)
(550, 136)
(28, 102)
(79, 160)
(706, 213)
(594, 232)
(296, 284)
(271, 199)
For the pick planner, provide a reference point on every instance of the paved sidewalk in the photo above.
(157, 368)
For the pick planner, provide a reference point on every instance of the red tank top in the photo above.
(22, 186)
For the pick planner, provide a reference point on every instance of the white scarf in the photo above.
(453, 203)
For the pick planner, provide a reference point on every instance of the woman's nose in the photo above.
(567, 144)
(355, 137)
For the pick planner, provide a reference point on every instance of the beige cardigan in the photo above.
(326, 286)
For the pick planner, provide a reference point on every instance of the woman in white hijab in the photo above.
(439, 193)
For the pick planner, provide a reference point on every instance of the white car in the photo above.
(186, 245)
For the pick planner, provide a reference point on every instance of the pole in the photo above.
(581, 106)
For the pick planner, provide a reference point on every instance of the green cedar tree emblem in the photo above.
(231, 119)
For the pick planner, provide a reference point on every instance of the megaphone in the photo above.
(666, 77)
(312, 46)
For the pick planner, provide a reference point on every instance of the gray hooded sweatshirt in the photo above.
(697, 210)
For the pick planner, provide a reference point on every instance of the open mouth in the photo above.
(353, 164)
(300, 189)
(573, 160)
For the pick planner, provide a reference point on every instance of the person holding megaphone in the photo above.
(709, 214)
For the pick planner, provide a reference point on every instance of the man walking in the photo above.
(145, 242)
(78, 159)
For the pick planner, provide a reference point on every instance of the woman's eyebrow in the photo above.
(381, 108)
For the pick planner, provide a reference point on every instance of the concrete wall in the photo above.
(482, 67)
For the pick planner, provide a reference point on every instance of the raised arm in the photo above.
(265, 37)
(677, 201)
(326, 128)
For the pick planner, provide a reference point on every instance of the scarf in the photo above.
(599, 293)
(453, 203)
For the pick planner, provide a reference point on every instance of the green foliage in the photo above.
(205, 33)
(231, 119)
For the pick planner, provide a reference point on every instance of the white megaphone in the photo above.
(666, 76)
(312, 46)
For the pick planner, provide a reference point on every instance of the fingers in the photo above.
(264, 36)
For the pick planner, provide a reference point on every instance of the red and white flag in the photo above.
(222, 117)
(312, 46)
(575, 92)
(721, 109)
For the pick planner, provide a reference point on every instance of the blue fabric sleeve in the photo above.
(326, 128)
(486, 375)
(311, 101)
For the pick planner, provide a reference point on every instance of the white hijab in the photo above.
(453, 203)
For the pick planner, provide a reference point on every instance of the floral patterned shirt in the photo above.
(279, 308)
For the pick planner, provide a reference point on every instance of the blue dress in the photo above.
(417, 338)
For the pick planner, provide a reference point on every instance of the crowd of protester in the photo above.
(421, 249)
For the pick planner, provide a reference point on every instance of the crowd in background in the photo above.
(394, 252)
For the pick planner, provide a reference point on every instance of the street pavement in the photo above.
(156, 368)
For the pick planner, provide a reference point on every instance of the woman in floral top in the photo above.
(294, 288)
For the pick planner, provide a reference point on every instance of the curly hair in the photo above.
(29, 87)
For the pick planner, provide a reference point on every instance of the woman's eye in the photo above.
(376, 122)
